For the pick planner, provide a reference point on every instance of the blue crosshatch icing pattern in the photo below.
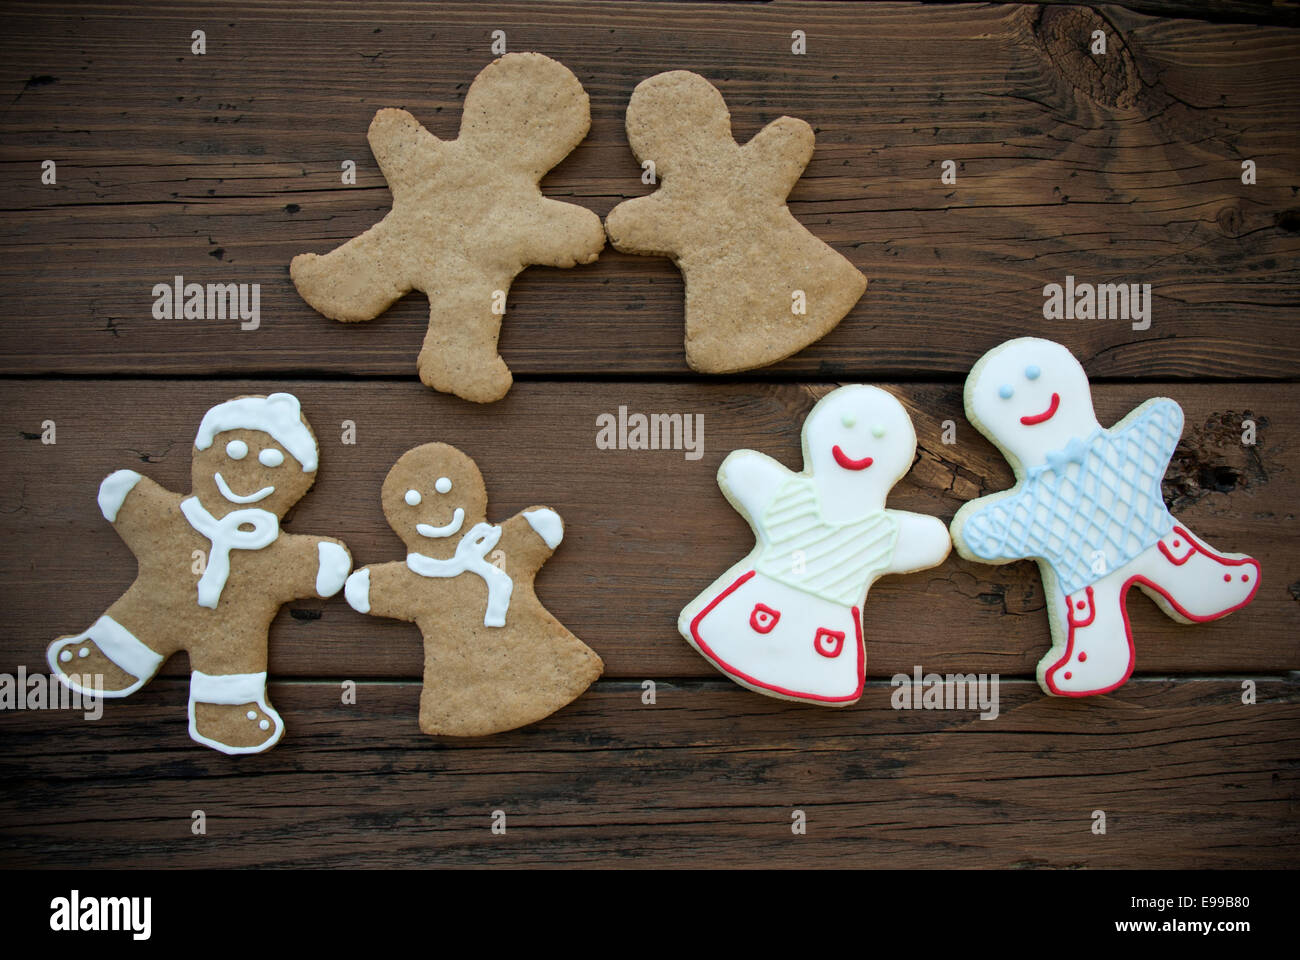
(1101, 493)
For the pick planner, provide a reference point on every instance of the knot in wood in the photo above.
(1110, 78)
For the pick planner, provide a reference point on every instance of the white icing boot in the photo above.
(233, 710)
(109, 640)
(1192, 582)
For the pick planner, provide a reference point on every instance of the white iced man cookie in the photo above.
(786, 621)
(1087, 507)
(214, 567)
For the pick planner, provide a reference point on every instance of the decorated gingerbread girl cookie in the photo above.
(787, 620)
(759, 286)
(213, 569)
(468, 215)
(1087, 507)
(494, 657)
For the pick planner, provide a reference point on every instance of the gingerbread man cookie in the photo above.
(759, 286)
(494, 657)
(213, 569)
(1087, 507)
(786, 621)
(467, 216)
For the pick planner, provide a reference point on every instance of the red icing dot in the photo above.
(1245, 577)
(1081, 604)
(1177, 544)
(1227, 577)
(1082, 656)
(1068, 674)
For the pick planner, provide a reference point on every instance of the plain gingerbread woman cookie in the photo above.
(786, 621)
(759, 286)
(213, 569)
(1087, 507)
(494, 657)
(468, 216)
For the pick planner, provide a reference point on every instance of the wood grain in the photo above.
(221, 167)
(645, 530)
(1187, 775)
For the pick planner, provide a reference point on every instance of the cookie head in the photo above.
(433, 495)
(859, 437)
(677, 118)
(253, 452)
(1030, 396)
(525, 110)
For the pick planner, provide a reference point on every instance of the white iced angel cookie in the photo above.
(786, 621)
(1087, 507)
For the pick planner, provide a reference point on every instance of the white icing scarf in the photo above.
(470, 557)
(225, 535)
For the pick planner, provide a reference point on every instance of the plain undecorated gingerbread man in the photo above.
(759, 286)
(468, 216)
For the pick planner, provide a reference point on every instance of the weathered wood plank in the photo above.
(645, 530)
(1218, 11)
(222, 167)
(1187, 775)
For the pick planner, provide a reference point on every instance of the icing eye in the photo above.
(236, 449)
(443, 485)
(848, 420)
(1032, 372)
(877, 430)
(413, 498)
(1005, 391)
(270, 457)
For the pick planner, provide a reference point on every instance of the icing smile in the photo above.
(1045, 415)
(435, 533)
(236, 498)
(848, 463)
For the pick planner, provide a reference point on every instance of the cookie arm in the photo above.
(530, 537)
(312, 566)
(1157, 425)
(378, 590)
(923, 542)
(750, 480)
(131, 503)
(981, 528)
(407, 154)
(780, 152)
(559, 234)
(644, 225)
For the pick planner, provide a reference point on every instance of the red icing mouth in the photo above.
(1045, 415)
(847, 462)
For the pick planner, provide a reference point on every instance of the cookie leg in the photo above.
(460, 350)
(230, 712)
(354, 282)
(108, 650)
(1192, 582)
(1099, 649)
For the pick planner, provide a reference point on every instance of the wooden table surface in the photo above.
(1125, 167)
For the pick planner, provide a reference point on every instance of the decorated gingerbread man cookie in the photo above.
(787, 620)
(494, 657)
(467, 216)
(213, 569)
(1087, 507)
(759, 286)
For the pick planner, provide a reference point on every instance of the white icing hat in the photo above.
(278, 415)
